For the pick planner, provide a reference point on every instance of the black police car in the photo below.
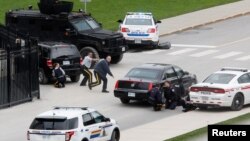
(66, 55)
(140, 80)
(56, 22)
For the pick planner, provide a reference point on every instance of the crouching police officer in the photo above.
(170, 95)
(59, 74)
(156, 98)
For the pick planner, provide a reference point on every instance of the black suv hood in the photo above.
(102, 34)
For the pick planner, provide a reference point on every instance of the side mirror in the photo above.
(186, 73)
(158, 22)
(120, 21)
(100, 24)
(106, 119)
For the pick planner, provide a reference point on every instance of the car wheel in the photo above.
(84, 139)
(202, 107)
(75, 78)
(43, 79)
(116, 59)
(115, 136)
(124, 101)
(238, 102)
(84, 52)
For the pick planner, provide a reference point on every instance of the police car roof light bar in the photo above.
(234, 69)
(61, 107)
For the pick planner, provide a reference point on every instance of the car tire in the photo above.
(116, 59)
(238, 102)
(75, 78)
(202, 107)
(124, 101)
(43, 79)
(84, 139)
(115, 136)
(85, 50)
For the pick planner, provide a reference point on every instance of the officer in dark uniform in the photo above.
(101, 70)
(186, 104)
(170, 96)
(59, 74)
(156, 98)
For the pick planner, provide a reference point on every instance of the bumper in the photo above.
(72, 72)
(133, 95)
(115, 50)
(219, 100)
(142, 42)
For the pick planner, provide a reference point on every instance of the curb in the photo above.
(203, 24)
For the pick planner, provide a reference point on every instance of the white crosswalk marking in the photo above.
(244, 58)
(204, 53)
(181, 51)
(192, 46)
(227, 55)
(153, 51)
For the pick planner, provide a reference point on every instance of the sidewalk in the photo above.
(186, 122)
(202, 17)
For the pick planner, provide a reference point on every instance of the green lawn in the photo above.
(109, 11)
(202, 131)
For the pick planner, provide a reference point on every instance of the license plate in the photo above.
(204, 98)
(131, 94)
(205, 92)
(123, 49)
(66, 62)
(138, 41)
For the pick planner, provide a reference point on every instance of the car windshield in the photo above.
(62, 51)
(85, 24)
(137, 21)
(54, 124)
(151, 74)
(219, 78)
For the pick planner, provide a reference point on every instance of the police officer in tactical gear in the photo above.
(59, 74)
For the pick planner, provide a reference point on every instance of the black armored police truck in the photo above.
(55, 21)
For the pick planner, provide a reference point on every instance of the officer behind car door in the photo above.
(85, 69)
(101, 70)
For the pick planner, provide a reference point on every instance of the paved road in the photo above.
(200, 51)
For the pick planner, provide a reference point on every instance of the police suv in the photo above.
(140, 28)
(229, 87)
(73, 124)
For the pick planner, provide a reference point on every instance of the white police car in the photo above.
(73, 124)
(229, 87)
(140, 28)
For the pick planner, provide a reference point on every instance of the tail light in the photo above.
(124, 29)
(150, 86)
(205, 89)
(68, 135)
(49, 63)
(151, 30)
(116, 84)
(81, 60)
(28, 135)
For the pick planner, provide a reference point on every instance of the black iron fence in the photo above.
(18, 68)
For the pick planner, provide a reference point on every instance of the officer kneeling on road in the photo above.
(170, 95)
(59, 74)
(186, 104)
(156, 98)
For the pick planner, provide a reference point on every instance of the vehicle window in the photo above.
(98, 117)
(220, 78)
(45, 52)
(179, 71)
(244, 79)
(88, 120)
(92, 23)
(151, 74)
(54, 124)
(170, 73)
(81, 25)
(63, 51)
(135, 21)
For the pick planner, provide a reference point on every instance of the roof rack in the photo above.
(234, 69)
(66, 108)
